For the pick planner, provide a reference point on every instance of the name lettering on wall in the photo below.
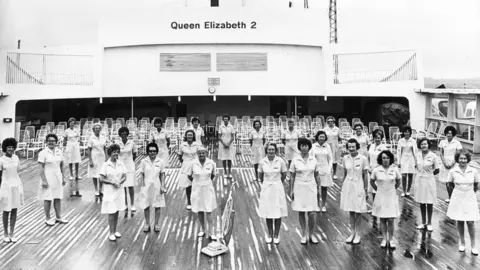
(213, 25)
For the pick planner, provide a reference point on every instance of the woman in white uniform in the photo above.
(385, 179)
(199, 133)
(226, 149)
(152, 186)
(11, 188)
(290, 140)
(334, 138)
(406, 154)
(354, 189)
(113, 174)
(463, 206)
(52, 180)
(257, 141)
(187, 153)
(201, 173)
(361, 138)
(96, 156)
(72, 155)
(322, 152)
(272, 202)
(161, 138)
(128, 154)
(425, 184)
(448, 148)
(373, 151)
(304, 185)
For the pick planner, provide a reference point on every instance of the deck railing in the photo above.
(49, 69)
(375, 67)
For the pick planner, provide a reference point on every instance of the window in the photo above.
(465, 132)
(465, 109)
(214, 3)
(439, 107)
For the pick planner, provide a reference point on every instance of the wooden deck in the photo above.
(83, 243)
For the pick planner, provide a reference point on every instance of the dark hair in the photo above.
(320, 132)
(450, 128)
(304, 141)
(257, 121)
(376, 132)
(71, 119)
(330, 117)
(195, 119)
(290, 121)
(422, 140)
(157, 121)
(226, 115)
(9, 142)
(191, 131)
(352, 140)
(123, 129)
(113, 147)
(271, 144)
(406, 128)
(465, 153)
(152, 144)
(389, 154)
(51, 135)
(357, 125)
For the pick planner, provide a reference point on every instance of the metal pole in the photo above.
(295, 106)
(132, 106)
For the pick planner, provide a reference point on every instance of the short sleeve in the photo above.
(374, 175)
(476, 176)
(441, 144)
(260, 166)
(436, 163)
(397, 174)
(90, 142)
(1, 164)
(220, 130)
(103, 170)
(282, 136)
(180, 150)
(42, 156)
(459, 145)
(134, 147)
(283, 166)
(292, 167)
(141, 168)
(214, 171)
(450, 176)
(251, 136)
(202, 133)
(233, 130)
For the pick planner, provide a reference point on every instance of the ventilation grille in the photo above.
(185, 62)
(242, 62)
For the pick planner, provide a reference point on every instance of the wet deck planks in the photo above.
(83, 243)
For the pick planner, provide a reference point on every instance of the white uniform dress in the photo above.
(449, 150)
(333, 134)
(72, 150)
(386, 201)
(11, 190)
(353, 193)
(305, 188)
(225, 134)
(113, 198)
(53, 174)
(203, 192)
(257, 146)
(189, 155)
(97, 144)
(150, 193)
(363, 141)
(425, 185)
(272, 202)
(291, 144)
(463, 204)
(406, 152)
(126, 156)
(199, 133)
(373, 152)
(324, 157)
(160, 139)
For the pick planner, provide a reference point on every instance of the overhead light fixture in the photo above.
(325, 98)
(249, 98)
(101, 100)
(214, 97)
(179, 99)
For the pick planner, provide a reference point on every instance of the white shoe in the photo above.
(112, 237)
(118, 235)
(189, 207)
(447, 200)
(408, 194)
(134, 209)
(324, 209)
(350, 238)
(461, 248)
(50, 222)
(335, 177)
(403, 194)
(276, 240)
(384, 243)
(71, 178)
(200, 234)
(7, 239)
(392, 244)
(97, 193)
(430, 228)
(13, 239)
(268, 240)
(475, 251)
(421, 227)
(303, 240)
(357, 240)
